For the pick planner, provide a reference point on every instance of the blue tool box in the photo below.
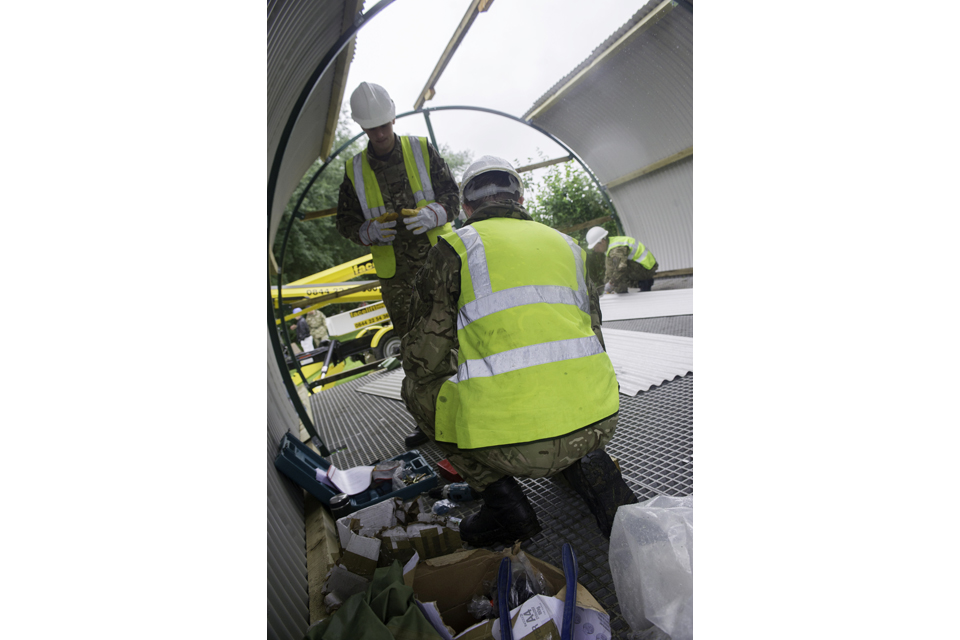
(299, 462)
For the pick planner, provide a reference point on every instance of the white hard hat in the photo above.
(371, 106)
(485, 165)
(595, 235)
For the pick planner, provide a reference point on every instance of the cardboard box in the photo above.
(412, 533)
(451, 582)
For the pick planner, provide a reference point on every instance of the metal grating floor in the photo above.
(654, 443)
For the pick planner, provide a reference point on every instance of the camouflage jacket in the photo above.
(318, 326)
(430, 347)
(622, 272)
(391, 174)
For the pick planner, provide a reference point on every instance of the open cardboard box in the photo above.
(451, 581)
(444, 576)
(366, 543)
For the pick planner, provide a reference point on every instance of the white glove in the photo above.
(374, 232)
(431, 216)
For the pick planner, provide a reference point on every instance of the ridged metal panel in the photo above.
(661, 206)
(645, 360)
(649, 304)
(299, 34)
(641, 361)
(630, 111)
(386, 386)
(287, 600)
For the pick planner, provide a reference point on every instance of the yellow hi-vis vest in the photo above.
(529, 366)
(416, 160)
(638, 252)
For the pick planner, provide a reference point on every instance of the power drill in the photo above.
(457, 492)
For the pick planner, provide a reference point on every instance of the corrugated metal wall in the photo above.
(288, 609)
(661, 213)
(299, 34)
(630, 111)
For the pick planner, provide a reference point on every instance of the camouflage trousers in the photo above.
(482, 467)
(397, 293)
(633, 275)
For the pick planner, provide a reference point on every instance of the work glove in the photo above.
(429, 217)
(377, 232)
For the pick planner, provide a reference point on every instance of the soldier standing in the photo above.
(317, 322)
(629, 262)
(505, 364)
(390, 175)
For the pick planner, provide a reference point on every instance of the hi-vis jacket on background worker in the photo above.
(505, 365)
(628, 262)
(390, 175)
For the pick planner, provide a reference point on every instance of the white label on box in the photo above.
(588, 624)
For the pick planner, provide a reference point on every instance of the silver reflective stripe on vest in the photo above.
(530, 356)
(642, 256)
(519, 296)
(427, 193)
(583, 296)
(476, 261)
(487, 302)
(368, 213)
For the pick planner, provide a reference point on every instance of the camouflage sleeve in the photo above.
(617, 266)
(595, 317)
(349, 213)
(445, 188)
(429, 350)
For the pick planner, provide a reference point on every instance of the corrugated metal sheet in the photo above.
(299, 34)
(385, 386)
(662, 206)
(649, 304)
(287, 600)
(645, 360)
(630, 111)
(641, 360)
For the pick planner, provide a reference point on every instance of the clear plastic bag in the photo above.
(651, 561)
(525, 583)
(480, 608)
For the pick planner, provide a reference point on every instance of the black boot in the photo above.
(415, 439)
(598, 481)
(505, 517)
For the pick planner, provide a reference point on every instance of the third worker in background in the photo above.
(505, 363)
(629, 263)
(392, 174)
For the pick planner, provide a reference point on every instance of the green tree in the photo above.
(564, 197)
(315, 245)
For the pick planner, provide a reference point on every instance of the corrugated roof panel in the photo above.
(641, 360)
(662, 213)
(645, 360)
(287, 598)
(648, 304)
(386, 385)
(631, 110)
(299, 34)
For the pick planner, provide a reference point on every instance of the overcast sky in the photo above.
(513, 54)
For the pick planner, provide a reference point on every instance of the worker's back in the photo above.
(530, 366)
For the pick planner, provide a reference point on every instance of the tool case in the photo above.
(299, 462)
